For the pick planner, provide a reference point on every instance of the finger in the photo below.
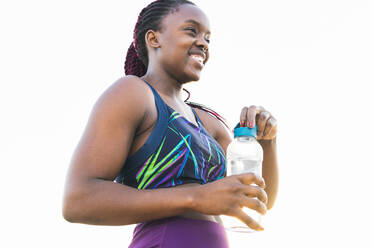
(253, 111)
(259, 110)
(251, 116)
(248, 220)
(262, 119)
(243, 117)
(255, 191)
(270, 129)
(255, 204)
(250, 178)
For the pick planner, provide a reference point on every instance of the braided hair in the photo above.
(150, 18)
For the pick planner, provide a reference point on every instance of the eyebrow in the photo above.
(196, 23)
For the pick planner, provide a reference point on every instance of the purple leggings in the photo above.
(179, 232)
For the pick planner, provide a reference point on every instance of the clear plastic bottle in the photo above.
(244, 154)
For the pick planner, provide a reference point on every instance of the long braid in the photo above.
(205, 108)
(133, 65)
(208, 110)
(150, 18)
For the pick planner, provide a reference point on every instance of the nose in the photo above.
(202, 44)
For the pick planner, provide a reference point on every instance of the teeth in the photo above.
(198, 58)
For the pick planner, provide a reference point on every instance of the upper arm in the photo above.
(109, 133)
(215, 128)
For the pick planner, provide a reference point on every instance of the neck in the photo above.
(164, 84)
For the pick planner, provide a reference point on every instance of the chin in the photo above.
(189, 75)
(196, 78)
(193, 76)
(189, 80)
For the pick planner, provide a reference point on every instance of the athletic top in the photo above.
(176, 152)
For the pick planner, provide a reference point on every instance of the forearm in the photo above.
(270, 170)
(102, 202)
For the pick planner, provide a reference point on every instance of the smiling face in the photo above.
(183, 41)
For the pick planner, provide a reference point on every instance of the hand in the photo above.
(266, 123)
(228, 195)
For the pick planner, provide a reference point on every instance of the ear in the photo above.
(151, 38)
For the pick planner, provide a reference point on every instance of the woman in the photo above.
(147, 157)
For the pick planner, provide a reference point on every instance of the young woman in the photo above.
(147, 157)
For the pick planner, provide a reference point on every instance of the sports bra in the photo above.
(176, 152)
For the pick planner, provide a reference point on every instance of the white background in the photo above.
(308, 62)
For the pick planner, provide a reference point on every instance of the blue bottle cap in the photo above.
(245, 131)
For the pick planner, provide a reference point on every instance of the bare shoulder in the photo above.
(127, 91)
(111, 128)
(128, 97)
(215, 128)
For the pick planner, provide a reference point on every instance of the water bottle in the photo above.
(244, 154)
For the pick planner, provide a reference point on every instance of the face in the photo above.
(184, 39)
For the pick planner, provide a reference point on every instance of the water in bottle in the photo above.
(244, 154)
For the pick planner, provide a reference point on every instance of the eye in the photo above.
(193, 30)
(207, 40)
